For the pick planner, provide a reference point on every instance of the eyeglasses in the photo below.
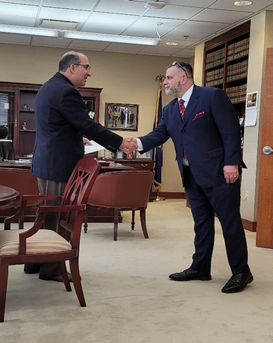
(175, 63)
(85, 66)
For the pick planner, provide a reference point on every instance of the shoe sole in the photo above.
(200, 278)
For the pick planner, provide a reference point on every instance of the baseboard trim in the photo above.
(170, 195)
(249, 225)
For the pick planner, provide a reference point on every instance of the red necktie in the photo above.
(182, 110)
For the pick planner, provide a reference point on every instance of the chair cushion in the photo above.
(44, 241)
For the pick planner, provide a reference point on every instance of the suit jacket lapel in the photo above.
(194, 99)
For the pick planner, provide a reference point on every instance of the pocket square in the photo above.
(199, 115)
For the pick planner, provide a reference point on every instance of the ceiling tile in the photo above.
(14, 39)
(18, 10)
(147, 27)
(121, 7)
(254, 7)
(193, 3)
(116, 23)
(220, 16)
(63, 14)
(195, 30)
(24, 2)
(48, 41)
(174, 12)
(70, 4)
(124, 48)
(200, 20)
(12, 20)
(88, 45)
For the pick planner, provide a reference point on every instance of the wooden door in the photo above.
(264, 235)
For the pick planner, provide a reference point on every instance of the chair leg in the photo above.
(133, 220)
(4, 271)
(63, 270)
(115, 224)
(143, 222)
(75, 273)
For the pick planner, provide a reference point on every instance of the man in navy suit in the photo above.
(61, 122)
(206, 135)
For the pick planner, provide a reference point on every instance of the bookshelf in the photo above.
(226, 66)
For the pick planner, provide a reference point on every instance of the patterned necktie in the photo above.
(182, 110)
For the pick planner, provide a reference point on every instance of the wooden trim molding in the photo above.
(170, 195)
(249, 225)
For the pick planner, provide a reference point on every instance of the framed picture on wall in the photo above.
(121, 116)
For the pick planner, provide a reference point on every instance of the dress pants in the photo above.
(224, 201)
(47, 187)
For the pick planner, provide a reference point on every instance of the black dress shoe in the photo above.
(237, 282)
(190, 274)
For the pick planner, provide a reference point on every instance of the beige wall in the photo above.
(125, 78)
(260, 39)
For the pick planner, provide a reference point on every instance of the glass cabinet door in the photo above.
(7, 112)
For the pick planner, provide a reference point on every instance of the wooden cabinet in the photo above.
(137, 163)
(17, 112)
(226, 65)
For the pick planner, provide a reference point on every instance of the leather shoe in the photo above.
(190, 274)
(237, 282)
(57, 278)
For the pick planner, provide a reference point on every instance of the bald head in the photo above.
(70, 57)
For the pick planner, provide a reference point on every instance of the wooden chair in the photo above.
(20, 246)
(122, 191)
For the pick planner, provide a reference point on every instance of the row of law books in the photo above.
(237, 93)
(214, 77)
(238, 49)
(237, 70)
(215, 58)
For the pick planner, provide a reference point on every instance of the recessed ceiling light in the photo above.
(242, 3)
(172, 43)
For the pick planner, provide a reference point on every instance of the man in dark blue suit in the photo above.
(61, 122)
(205, 131)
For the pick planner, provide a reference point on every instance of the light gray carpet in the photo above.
(130, 298)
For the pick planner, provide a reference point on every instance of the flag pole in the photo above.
(158, 150)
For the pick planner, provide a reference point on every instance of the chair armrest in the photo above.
(39, 221)
(24, 204)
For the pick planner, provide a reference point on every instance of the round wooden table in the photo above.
(8, 195)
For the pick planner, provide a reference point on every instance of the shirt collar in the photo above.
(187, 95)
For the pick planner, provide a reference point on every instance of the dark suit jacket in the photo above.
(61, 121)
(210, 134)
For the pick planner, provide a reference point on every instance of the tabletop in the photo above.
(8, 195)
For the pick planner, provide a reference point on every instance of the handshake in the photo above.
(129, 144)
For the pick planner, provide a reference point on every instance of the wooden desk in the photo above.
(8, 195)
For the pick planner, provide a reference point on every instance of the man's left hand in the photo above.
(231, 173)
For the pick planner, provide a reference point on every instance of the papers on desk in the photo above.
(88, 149)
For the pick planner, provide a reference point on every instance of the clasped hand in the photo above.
(129, 144)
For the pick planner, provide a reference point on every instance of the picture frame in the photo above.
(121, 116)
(120, 155)
(149, 155)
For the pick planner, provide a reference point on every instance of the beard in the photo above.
(173, 91)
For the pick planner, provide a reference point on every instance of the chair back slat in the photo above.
(77, 192)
